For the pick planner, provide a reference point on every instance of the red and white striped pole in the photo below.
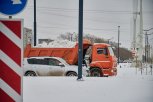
(11, 56)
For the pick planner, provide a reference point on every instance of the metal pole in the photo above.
(151, 66)
(10, 17)
(141, 67)
(35, 24)
(135, 13)
(140, 35)
(118, 43)
(80, 37)
(71, 35)
(136, 65)
(146, 51)
(134, 35)
(146, 47)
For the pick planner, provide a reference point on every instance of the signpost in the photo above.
(80, 37)
(12, 7)
(11, 53)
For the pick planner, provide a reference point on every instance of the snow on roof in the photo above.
(58, 44)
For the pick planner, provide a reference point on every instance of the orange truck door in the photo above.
(101, 56)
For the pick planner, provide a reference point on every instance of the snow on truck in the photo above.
(102, 61)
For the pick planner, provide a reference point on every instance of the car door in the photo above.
(42, 68)
(56, 69)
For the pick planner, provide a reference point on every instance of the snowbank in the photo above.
(58, 44)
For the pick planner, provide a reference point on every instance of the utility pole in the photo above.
(80, 38)
(35, 24)
(140, 35)
(147, 46)
(135, 13)
(134, 42)
(118, 44)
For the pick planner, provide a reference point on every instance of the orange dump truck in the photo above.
(102, 61)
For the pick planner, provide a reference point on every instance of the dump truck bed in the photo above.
(70, 55)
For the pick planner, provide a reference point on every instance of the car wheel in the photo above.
(30, 73)
(71, 74)
(95, 72)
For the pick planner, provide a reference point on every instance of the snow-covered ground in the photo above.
(128, 86)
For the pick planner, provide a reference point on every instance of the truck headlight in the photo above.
(112, 70)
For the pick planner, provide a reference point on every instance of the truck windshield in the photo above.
(111, 51)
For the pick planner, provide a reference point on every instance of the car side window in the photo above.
(102, 51)
(53, 62)
(30, 61)
(37, 61)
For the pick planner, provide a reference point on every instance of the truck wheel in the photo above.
(95, 72)
(30, 73)
(71, 74)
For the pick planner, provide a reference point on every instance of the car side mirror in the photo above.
(61, 64)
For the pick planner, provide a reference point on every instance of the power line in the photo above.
(85, 19)
(86, 28)
(87, 10)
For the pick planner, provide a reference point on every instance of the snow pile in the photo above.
(58, 44)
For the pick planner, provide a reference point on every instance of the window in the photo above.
(46, 61)
(31, 61)
(102, 51)
(53, 62)
(37, 61)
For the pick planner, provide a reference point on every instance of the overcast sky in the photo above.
(101, 18)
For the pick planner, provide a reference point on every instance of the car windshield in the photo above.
(111, 51)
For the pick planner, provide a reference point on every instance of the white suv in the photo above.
(50, 66)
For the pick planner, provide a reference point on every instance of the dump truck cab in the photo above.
(102, 60)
